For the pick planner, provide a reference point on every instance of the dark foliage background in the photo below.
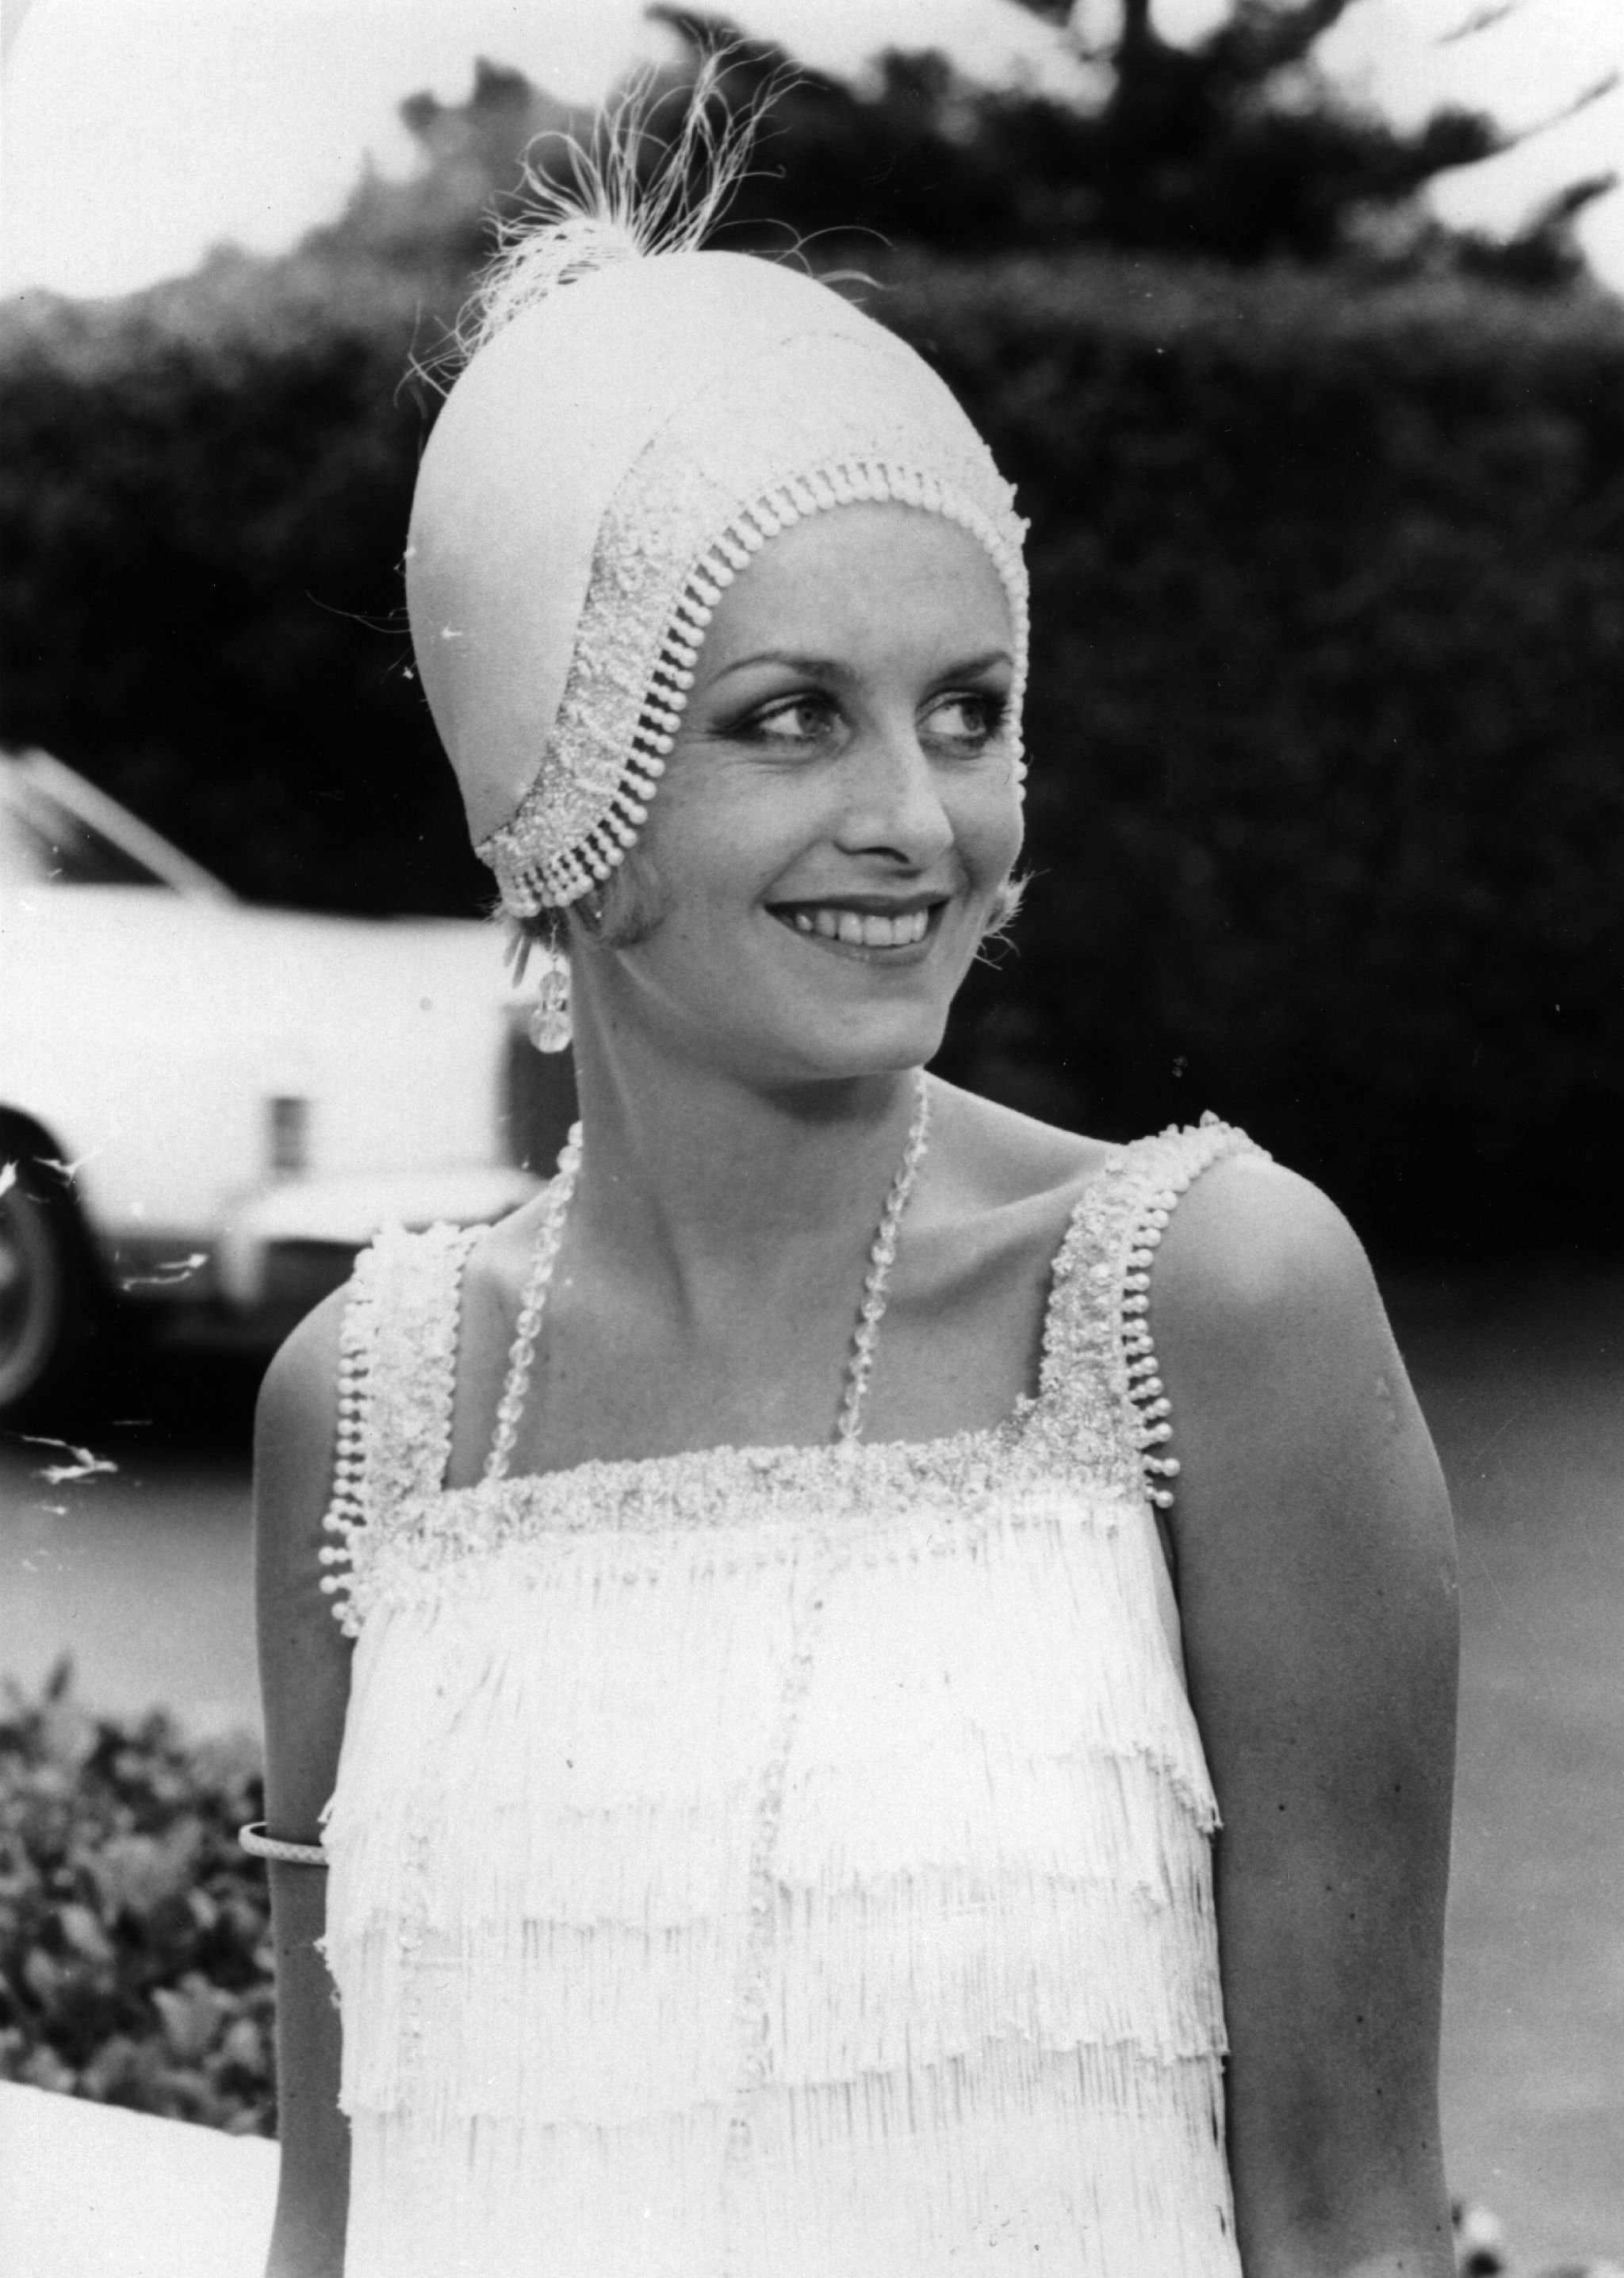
(135, 1958)
(1328, 558)
(203, 502)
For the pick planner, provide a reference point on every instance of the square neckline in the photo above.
(1098, 1402)
(1002, 1435)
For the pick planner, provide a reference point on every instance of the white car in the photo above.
(207, 1108)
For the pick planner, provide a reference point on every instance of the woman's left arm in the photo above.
(1316, 1583)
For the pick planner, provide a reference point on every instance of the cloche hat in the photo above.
(637, 418)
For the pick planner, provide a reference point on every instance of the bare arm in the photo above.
(304, 1680)
(1317, 1581)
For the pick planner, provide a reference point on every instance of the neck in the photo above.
(707, 1180)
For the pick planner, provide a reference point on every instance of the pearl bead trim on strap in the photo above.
(358, 1338)
(1145, 1388)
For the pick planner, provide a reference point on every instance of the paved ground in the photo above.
(143, 1574)
(1524, 1387)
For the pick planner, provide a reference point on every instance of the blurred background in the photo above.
(1297, 325)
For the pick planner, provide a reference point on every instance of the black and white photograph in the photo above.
(811, 1220)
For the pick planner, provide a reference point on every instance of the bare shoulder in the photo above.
(1276, 1352)
(1303, 1449)
(302, 1369)
(303, 1654)
(1254, 1255)
(296, 1420)
(295, 1444)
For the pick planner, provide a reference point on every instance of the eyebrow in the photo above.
(824, 667)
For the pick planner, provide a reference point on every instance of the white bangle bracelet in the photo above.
(254, 1840)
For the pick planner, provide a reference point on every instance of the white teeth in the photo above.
(862, 931)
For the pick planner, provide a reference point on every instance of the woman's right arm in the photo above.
(304, 1683)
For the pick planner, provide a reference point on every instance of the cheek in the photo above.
(711, 848)
(723, 833)
(988, 828)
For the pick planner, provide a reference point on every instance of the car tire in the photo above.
(49, 1308)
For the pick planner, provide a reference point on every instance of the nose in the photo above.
(894, 803)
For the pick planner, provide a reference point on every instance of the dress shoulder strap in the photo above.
(1099, 1384)
(397, 1376)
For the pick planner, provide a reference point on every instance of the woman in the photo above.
(775, 1799)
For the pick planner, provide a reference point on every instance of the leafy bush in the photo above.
(135, 1936)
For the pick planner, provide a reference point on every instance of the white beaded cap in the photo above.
(604, 468)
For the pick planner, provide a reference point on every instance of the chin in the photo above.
(877, 1041)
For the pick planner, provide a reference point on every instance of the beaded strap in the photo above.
(1167, 1176)
(1100, 1376)
(346, 1511)
(397, 1358)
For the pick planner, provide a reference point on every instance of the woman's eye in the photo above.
(965, 721)
(966, 718)
(795, 720)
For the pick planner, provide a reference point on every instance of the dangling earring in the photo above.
(549, 1020)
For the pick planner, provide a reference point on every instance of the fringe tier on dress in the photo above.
(778, 1862)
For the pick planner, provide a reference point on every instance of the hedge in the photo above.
(203, 504)
(135, 1955)
(1327, 692)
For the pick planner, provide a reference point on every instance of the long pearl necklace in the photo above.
(870, 1311)
(881, 1257)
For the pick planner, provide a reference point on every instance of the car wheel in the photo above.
(47, 1300)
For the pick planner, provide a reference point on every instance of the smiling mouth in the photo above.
(845, 928)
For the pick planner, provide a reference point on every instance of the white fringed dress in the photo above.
(779, 1862)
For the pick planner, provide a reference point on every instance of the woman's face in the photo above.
(839, 811)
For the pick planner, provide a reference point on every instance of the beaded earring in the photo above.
(549, 1020)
